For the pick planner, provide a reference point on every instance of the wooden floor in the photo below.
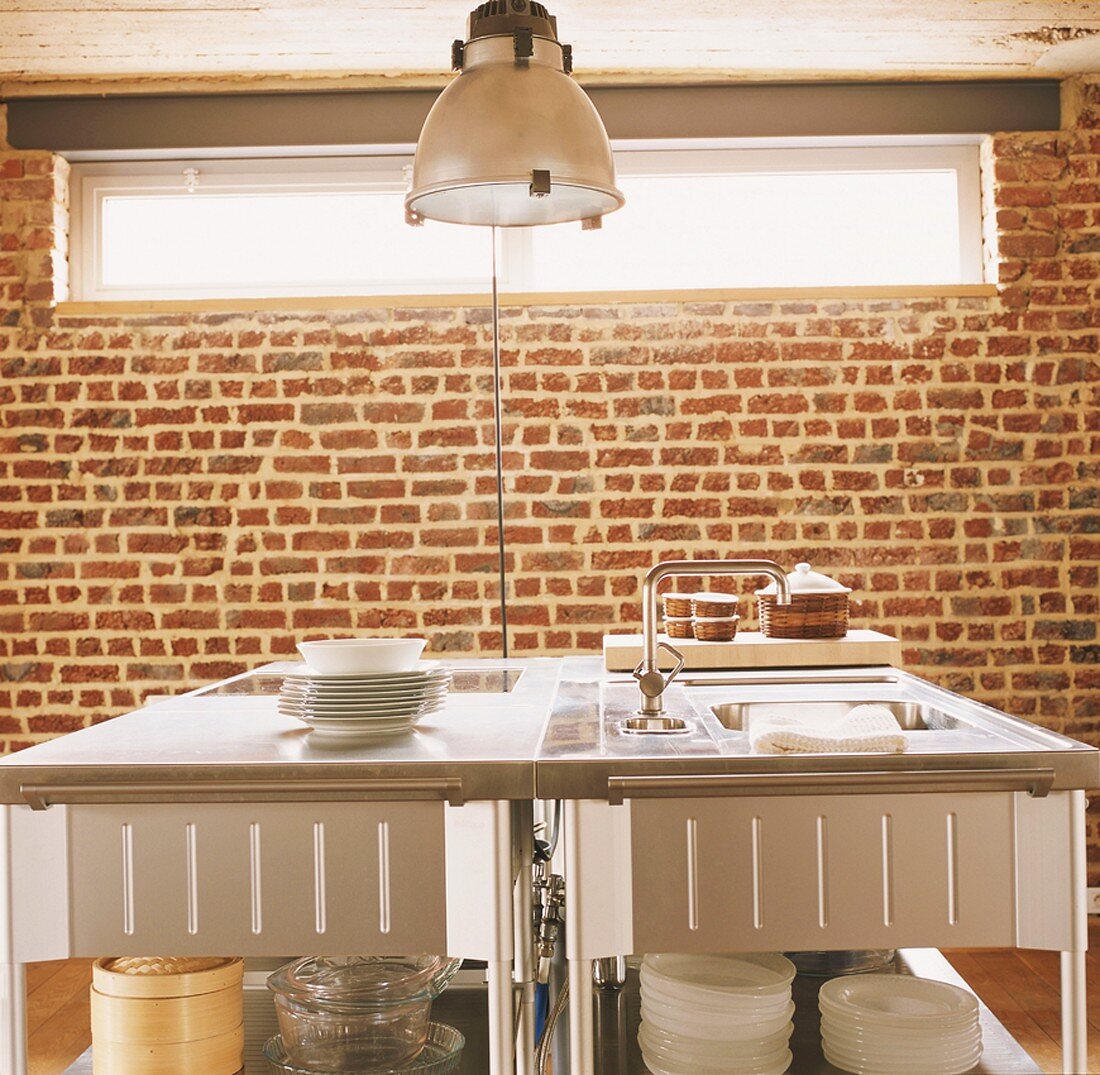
(1021, 988)
(58, 1019)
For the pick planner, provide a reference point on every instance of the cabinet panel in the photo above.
(247, 879)
(812, 872)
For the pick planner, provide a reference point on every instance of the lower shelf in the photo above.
(617, 1018)
(618, 1015)
(464, 1005)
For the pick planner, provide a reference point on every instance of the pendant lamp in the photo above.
(512, 141)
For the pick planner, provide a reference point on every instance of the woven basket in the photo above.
(677, 605)
(715, 629)
(715, 605)
(810, 615)
(678, 627)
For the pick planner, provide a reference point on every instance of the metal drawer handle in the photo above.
(1036, 782)
(42, 796)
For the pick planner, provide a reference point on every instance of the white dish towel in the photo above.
(864, 729)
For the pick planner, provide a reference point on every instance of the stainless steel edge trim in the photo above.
(1036, 782)
(42, 796)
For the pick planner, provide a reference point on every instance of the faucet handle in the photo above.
(651, 681)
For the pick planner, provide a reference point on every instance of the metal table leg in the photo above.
(609, 974)
(13, 1019)
(1074, 1018)
(581, 1037)
(522, 913)
(499, 974)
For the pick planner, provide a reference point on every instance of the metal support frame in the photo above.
(1074, 1014)
(582, 1043)
(13, 1018)
(599, 948)
(523, 947)
(499, 976)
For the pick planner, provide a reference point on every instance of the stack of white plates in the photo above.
(364, 704)
(716, 1014)
(889, 1023)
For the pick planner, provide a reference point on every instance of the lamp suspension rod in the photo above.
(498, 427)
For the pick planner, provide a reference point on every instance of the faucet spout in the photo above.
(651, 681)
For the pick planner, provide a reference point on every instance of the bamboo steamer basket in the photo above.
(166, 1019)
(164, 976)
(167, 1016)
(221, 1055)
(818, 608)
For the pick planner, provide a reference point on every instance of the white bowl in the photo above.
(863, 1066)
(928, 1051)
(664, 1067)
(706, 1016)
(679, 1047)
(347, 656)
(663, 992)
(746, 974)
(898, 1036)
(895, 1000)
(711, 1029)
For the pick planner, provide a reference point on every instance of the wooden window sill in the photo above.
(547, 298)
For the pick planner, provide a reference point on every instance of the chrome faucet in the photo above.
(651, 680)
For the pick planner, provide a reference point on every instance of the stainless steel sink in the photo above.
(910, 715)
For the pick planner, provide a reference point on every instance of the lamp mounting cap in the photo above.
(496, 17)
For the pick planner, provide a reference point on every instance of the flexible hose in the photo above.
(556, 831)
(544, 1053)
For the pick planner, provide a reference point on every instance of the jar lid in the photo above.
(717, 598)
(363, 981)
(803, 580)
(676, 596)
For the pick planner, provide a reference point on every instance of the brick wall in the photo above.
(185, 495)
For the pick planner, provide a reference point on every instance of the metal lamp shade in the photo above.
(497, 124)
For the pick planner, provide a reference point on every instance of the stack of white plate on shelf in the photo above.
(366, 703)
(716, 1014)
(891, 1023)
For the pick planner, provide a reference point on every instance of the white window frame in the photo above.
(91, 183)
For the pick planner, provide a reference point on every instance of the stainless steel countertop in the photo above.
(480, 746)
(555, 734)
(585, 749)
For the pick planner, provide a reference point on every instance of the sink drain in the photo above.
(654, 726)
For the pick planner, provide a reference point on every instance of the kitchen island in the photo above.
(211, 824)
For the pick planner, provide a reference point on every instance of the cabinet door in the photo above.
(823, 872)
(243, 879)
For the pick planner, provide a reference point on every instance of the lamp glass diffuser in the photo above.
(513, 140)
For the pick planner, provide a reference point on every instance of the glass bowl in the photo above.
(349, 1013)
(441, 1055)
(830, 964)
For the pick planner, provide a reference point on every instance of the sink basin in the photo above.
(910, 715)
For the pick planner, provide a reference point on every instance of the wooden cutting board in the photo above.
(750, 649)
